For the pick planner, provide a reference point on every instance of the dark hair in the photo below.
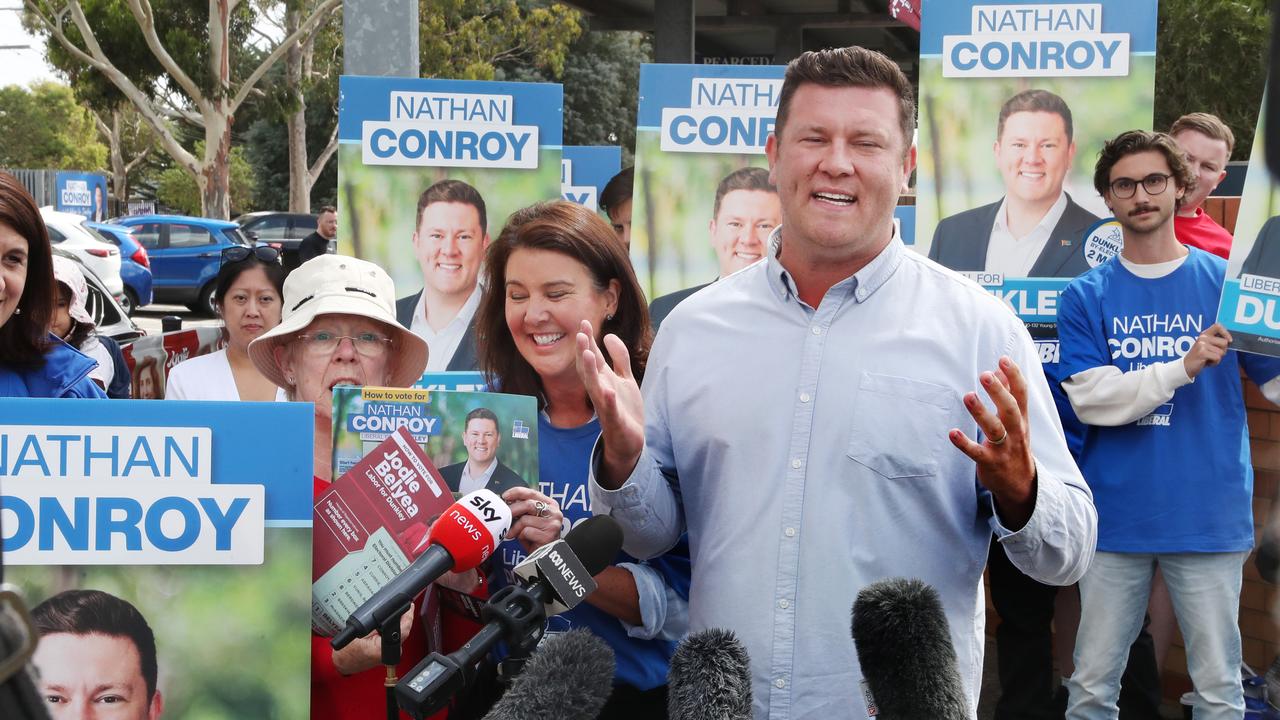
(1137, 141)
(79, 331)
(1036, 101)
(480, 413)
(93, 612)
(327, 209)
(146, 365)
(454, 191)
(24, 339)
(1207, 125)
(569, 229)
(618, 190)
(747, 178)
(849, 67)
(230, 271)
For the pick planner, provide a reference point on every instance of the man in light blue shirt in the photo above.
(795, 416)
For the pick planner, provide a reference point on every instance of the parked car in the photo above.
(135, 266)
(185, 254)
(67, 231)
(107, 314)
(283, 231)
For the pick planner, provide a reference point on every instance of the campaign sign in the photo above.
(1250, 305)
(702, 205)
(81, 193)
(398, 137)
(195, 517)
(585, 170)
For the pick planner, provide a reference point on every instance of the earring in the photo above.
(289, 379)
(608, 317)
(17, 311)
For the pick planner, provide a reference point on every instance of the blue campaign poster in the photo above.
(700, 135)
(82, 193)
(195, 517)
(398, 137)
(584, 171)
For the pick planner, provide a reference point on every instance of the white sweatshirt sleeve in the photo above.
(1108, 397)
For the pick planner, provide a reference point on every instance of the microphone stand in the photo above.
(391, 651)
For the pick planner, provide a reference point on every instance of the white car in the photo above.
(67, 231)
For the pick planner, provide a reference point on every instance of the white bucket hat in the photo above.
(67, 272)
(340, 285)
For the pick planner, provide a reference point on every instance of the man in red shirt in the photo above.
(1208, 142)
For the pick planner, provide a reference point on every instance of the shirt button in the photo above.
(796, 463)
(789, 532)
(804, 397)
(816, 330)
(780, 683)
(784, 604)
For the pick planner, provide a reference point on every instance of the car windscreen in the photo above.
(103, 235)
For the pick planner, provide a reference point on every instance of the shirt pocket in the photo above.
(899, 425)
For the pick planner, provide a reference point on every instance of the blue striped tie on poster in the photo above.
(585, 170)
(1016, 100)
(397, 137)
(195, 515)
(1250, 305)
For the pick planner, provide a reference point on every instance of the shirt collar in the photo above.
(860, 286)
(1047, 223)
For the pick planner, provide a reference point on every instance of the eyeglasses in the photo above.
(237, 253)
(368, 344)
(1154, 184)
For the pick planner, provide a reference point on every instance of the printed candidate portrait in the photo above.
(991, 145)
(745, 212)
(1255, 249)
(449, 241)
(482, 468)
(1036, 229)
(96, 658)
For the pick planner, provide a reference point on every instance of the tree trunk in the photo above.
(119, 172)
(296, 123)
(215, 193)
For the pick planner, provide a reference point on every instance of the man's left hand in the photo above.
(1006, 466)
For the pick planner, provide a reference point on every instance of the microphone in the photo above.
(464, 536)
(904, 647)
(561, 576)
(709, 678)
(570, 677)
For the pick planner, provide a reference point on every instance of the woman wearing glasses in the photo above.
(247, 295)
(339, 328)
(33, 363)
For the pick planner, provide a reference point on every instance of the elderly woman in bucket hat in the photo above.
(338, 327)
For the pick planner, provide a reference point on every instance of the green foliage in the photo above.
(176, 188)
(470, 39)
(602, 89)
(45, 128)
(183, 30)
(1210, 59)
(267, 149)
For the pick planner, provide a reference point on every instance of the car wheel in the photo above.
(204, 304)
(129, 302)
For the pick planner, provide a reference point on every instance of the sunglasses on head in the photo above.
(237, 253)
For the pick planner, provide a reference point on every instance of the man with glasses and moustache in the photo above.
(1166, 449)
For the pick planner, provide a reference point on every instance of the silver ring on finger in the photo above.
(540, 508)
(1000, 440)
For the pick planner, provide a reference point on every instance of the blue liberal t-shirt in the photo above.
(1180, 478)
(564, 455)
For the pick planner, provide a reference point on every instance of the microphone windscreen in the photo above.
(904, 647)
(596, 541)
(709, 678)
(569, 677)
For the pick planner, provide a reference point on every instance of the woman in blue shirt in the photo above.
(33, 362)
(555, 265)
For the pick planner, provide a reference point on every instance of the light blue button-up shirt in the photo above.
(805, 451)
